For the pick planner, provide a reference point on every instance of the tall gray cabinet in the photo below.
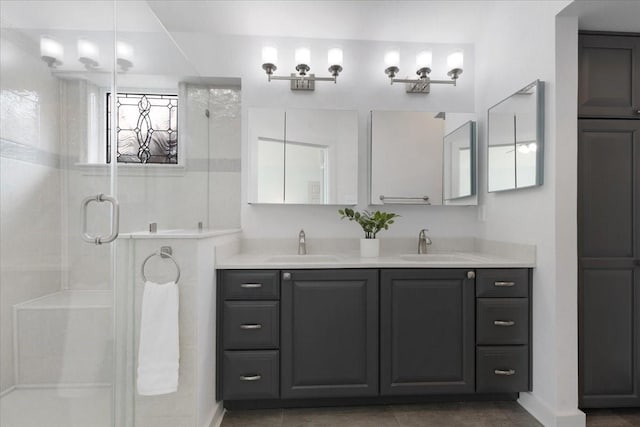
(609, 220)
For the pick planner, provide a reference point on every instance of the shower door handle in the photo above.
(115, 219)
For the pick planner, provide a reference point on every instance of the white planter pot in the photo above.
(369, 248)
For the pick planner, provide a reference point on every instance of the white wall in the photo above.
(362, 86)
(518, 46)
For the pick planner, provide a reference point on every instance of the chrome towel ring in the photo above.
(164, 252)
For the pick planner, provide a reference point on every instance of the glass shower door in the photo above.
(59, 214)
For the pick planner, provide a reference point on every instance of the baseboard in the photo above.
(8, 390)
(547, 416)
(218, 415)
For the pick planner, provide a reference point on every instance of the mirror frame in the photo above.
(473, 138)
(539, 85)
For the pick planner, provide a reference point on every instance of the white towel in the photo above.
(158, 353)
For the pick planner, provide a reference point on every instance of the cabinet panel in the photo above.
(330, 333)
(251, 284)
(251, 375)
(503, 321)
(427, 332)
(609, 76)
(251, 325)
(609, 338)
(502, 369)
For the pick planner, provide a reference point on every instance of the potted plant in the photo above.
(372, 223)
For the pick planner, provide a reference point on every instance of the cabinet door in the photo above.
(609, 76)
(609, 263)
(329, 340)
(427, 332)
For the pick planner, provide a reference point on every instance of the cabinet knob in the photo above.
(471, 274)
(286, 276)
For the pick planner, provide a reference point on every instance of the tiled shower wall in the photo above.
(30, 204)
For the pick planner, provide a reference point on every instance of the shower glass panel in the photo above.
(56, 290)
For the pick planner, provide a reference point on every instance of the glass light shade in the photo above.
(424, 59)
(88, 50)
(455, 60)
(269, 55)
(334, 56)
(392, 58)
(51, 48)
(124, 51)
(303, 56)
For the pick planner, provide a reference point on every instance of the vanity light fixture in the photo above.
(302, 80)
(88, 53)
(124, 55)
(424, 60)
(51, 51)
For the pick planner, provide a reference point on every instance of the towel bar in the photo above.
(164, 252)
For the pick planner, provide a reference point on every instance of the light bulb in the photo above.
(269, 55)
(334, 56)
(124, 51)
(124, 55)
(392, 58)
(303, 56)
(51, 51)
(88, 53)
(523, 148)
(455, 60)
(424, 59)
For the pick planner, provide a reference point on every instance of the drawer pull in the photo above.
(504, 322)
(251, 326)
(504, 284)
(250, 377)
(505, 372)
(251, 285)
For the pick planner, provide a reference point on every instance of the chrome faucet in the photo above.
(423, 241)
(302, 243)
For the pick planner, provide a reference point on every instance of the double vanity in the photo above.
(328, 329)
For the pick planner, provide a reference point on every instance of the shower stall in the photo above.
(105, 127)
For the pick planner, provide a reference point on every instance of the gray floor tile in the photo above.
(608, 418)
(257, 418)
(350, 416)
(450, 414)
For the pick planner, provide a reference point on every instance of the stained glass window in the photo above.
(147, 128)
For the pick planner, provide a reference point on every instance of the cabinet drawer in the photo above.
(502, 369)
(502, 282)
(251, 325)
(251, 284)
(502, 321)
(250, 375)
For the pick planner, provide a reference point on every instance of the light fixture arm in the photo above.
(424, 82)
(303, 80)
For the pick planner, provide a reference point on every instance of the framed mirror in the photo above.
(459, 163)
(515, 154)
(425, 158)
(303, 156)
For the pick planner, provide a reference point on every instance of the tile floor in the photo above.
(463, 414)
(613, 417)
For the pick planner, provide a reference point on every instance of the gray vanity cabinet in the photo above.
(427, 340)
(609, 76)
(329, 333)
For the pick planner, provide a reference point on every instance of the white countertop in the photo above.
(353, 260)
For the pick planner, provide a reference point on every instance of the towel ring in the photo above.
(164, 252)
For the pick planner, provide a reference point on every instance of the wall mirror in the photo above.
(303, 156)
(423, 158)
(515, 135)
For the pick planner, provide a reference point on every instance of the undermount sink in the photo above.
(301, 259)
(436, 258)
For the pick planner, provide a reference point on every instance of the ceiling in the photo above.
(606, 15)
(432, 21)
